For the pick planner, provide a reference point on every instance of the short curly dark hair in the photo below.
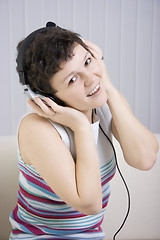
(45, 54)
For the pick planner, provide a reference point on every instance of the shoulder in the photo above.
(33, 123)
(33, 118)
(35, 130)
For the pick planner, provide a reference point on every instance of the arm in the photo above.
(78, 184)
(138, 144)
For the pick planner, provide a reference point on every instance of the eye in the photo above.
(72, 80)
(88, 61)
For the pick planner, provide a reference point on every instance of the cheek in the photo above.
(70, 98)
(104, 93)
(75, 101)
(97, 68)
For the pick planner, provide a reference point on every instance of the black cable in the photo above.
(128, 194)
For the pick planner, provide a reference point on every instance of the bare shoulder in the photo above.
(32, 119)
(34, 132)
(33, 123)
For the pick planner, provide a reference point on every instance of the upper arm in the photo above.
(114, 131)
(40, 142)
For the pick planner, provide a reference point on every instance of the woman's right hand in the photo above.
(66, 116)
(77, 183)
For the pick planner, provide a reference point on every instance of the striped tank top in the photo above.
(41, 214)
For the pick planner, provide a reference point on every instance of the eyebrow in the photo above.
(73, 72)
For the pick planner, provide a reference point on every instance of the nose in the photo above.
(89, 78)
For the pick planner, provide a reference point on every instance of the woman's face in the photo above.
(78, 83)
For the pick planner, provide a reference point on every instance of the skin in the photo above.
(79, 184)
(85, 76)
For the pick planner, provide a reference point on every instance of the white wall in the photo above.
(127, 31)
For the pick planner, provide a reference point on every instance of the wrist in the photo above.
(107, 84)
(81, 126)
(118, 105)
(112, 95)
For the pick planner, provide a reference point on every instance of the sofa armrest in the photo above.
(9, 182)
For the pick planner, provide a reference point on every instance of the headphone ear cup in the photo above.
(27, 90)
(30, 94)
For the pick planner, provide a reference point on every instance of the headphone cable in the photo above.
(127, 189)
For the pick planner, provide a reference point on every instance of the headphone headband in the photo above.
(25, 44)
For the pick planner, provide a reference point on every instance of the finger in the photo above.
(36, 108)
(46, 109)
(55, 107)
(97, 52)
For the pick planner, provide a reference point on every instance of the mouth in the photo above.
(94, 91)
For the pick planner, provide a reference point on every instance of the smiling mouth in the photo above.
(94, 90)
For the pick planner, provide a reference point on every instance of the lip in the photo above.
(94, 91)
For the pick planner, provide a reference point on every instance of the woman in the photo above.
(65, 159)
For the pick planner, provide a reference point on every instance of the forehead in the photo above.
(78, 53)
(73, 64)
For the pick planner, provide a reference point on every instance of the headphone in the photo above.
(20, 66)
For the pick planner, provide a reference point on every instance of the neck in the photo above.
(89, 115)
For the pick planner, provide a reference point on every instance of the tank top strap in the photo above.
(63, 133)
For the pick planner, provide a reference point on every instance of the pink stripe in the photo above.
(37, 231)
(16, 231)
(39, 199)
(38, 183)
(107, 197)
(50, 216)
(27, 170)
(82, 229)
(109, 178)
(109, 172)
(95, 226)
(31, 228)
(105, 204)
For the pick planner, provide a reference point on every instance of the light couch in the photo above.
(9, 186)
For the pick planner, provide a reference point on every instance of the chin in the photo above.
(100, 102)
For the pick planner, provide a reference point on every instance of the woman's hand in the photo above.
(98, 55)
(138, 144)
(76, 183)
(66, 116)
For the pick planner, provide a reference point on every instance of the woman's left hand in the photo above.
(138, 144)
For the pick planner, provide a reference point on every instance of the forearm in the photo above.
(84, 176)
(88, 177)
(139, 145)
